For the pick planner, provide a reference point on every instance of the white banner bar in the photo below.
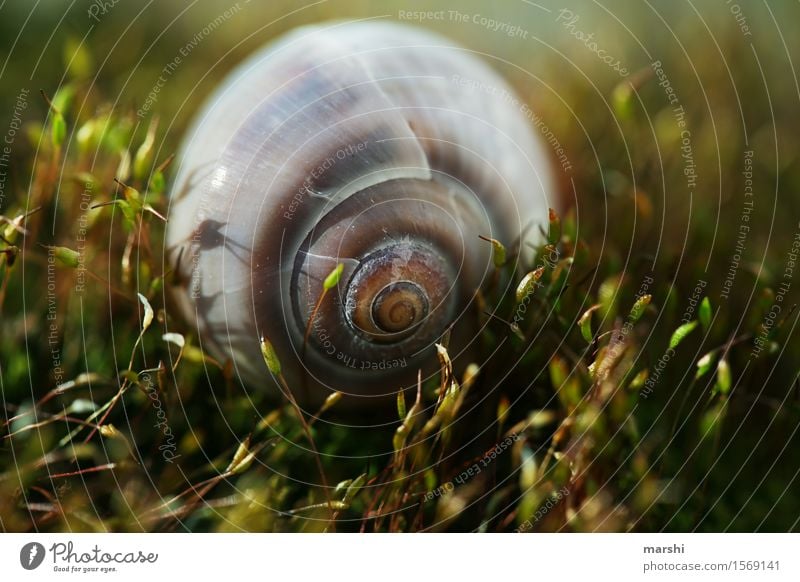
(400, 557)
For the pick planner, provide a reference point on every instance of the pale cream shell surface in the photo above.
(323, 114)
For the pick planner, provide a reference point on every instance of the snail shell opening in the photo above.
(375, 146)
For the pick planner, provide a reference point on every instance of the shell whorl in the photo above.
(373, 145)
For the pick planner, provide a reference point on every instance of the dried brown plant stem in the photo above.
(307, 430)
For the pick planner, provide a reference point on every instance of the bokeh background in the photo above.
(642, 196)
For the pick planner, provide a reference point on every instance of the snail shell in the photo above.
(372, 145)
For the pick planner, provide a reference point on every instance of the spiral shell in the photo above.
(375, 146)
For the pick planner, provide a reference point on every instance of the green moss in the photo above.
(131, 432)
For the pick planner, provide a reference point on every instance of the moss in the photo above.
(617, 410)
